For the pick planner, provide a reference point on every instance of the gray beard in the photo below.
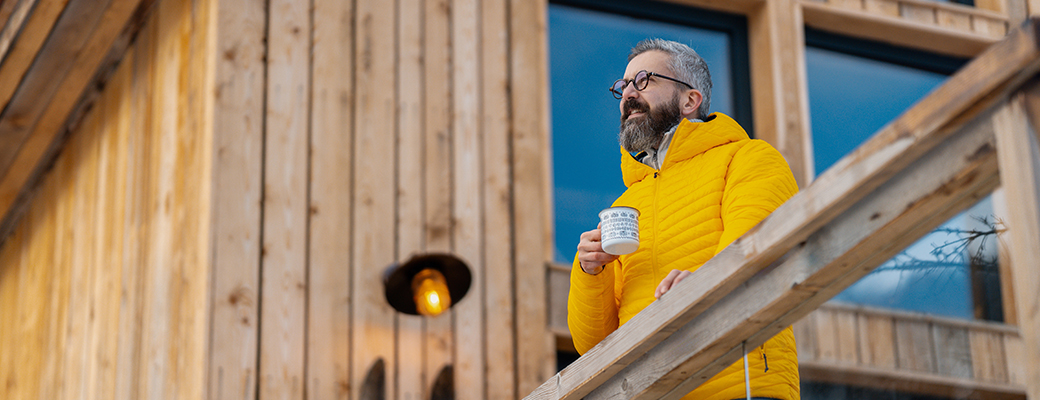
(647, 132)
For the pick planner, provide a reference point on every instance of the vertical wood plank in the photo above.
(438, 176)
(532, 210)
(410, 234)
(987, 26)
(956, 20)
(876, 341)
(846, 329)
(83, 182)
(882, 7)
(374, 233)
(498, 264)
(780, 100)
(849, 4)
(54, 368)
(1016, 359)
(914, 348)
(1007, 288)
(9, 304)
(467, 165)
(999, 6)
(917, 13)
(826, 336)
(332, 157)
(284, 260)
(987, 355)
(1018, 152)
(238, 28)
(40, 310)
(128, 357)
(952, 351)
(111, 206)
(160, 291)
(805, 337)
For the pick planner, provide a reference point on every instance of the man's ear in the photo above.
(691, 102)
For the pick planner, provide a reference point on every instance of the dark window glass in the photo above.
(589, 43)
(827, 391)
(855, 88)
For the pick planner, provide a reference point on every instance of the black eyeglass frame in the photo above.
(620, 92)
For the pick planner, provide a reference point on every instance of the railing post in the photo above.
(1018, 155)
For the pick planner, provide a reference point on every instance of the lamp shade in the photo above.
(398, 278)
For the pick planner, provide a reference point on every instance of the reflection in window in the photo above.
(949, 272)
(588, 50)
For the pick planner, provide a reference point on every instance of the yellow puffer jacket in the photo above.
(714, 185)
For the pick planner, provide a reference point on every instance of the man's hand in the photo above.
(669, 282)
(590, 252)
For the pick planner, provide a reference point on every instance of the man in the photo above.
(699, 183)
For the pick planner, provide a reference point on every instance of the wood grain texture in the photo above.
(438, 175)
(410, 334)
(239, 29)
(373, 246)
(286, 198)
(531, 212)
(778, 82)
(876, 341)
(470, 364)
(500, 292)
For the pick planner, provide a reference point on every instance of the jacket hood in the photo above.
(690, 139)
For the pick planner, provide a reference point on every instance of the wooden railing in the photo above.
(941, 156)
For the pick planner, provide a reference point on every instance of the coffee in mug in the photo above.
(619, 230)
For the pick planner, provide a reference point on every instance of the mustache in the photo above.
(633, 105)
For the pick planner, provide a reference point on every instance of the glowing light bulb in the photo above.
(431, 292)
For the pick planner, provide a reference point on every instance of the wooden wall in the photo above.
(219, 224)
(103, 283)
(888, 349)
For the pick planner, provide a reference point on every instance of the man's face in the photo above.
(647, 114)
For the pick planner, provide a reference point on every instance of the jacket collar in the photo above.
(690, 139)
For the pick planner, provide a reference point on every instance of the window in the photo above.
(589, 43)
(855, 88)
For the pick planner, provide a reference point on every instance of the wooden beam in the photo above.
(27, 36)
(778, 82)
(13, 15)
(33, 132)
(817, 213)
(1017, 141)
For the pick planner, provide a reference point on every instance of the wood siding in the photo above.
(909, 352)
(106, 279)
(232, 184)
(219, 223)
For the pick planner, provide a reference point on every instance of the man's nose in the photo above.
(629, 92)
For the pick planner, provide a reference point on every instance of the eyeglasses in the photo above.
(640, 81)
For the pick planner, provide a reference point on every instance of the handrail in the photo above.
(935, 160)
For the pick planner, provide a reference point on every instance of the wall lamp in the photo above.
(426, 284)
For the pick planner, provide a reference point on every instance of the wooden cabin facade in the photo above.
(200, 197)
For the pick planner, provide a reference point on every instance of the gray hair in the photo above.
(685, 63)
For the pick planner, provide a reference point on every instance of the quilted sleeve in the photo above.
(592, 310)
(757, 182)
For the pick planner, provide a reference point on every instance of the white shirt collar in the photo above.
(655, 158)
